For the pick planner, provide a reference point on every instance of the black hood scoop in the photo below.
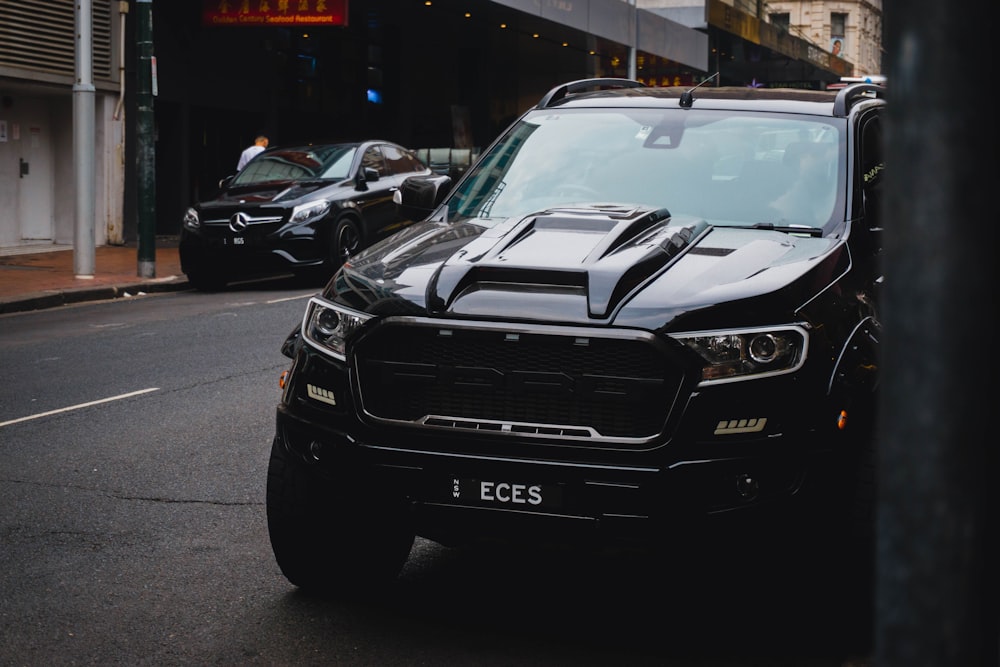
(599, 254)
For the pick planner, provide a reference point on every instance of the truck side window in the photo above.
(872, 168)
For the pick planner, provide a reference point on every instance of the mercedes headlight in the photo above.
(328, 326)
(308, 212)
(191, 219)
(748, 353)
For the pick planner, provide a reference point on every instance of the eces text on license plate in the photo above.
(512, 495)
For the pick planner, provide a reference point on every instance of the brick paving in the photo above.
(42, 276)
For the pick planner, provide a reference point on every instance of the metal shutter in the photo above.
(40, 35)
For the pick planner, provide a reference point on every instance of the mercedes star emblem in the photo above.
(239, 222)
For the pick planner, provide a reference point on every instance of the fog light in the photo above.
(315, 449)
(747, 487)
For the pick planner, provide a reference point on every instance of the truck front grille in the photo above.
(599, 385)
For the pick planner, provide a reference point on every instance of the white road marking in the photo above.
(291, 298)
(79, 406)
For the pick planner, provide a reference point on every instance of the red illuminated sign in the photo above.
(273, 12)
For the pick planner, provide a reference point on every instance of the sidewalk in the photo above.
(43, 276)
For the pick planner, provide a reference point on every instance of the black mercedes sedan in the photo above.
(300, 209)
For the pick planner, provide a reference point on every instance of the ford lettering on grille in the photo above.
(494, 379)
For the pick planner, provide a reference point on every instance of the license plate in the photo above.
(506, 494)
(236, 240)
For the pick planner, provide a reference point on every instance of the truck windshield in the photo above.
(721, 166)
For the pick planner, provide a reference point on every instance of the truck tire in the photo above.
(326, 536)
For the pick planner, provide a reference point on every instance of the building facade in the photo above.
(799, 43)
(850, 29)
(424, 74)
(37, 80)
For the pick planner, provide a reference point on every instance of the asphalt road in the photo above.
(134, 438)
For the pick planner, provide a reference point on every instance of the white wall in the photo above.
(42, 206)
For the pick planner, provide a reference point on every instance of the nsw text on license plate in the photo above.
(504, 494)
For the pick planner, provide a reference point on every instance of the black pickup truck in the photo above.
(642, 311)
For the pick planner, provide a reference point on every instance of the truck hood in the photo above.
(583, 265)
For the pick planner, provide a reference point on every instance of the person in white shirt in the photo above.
(259, 144)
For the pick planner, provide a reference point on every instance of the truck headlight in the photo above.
(328, 326)
(748, 353)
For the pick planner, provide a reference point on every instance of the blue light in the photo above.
(374, 96)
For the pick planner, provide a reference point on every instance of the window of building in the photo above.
(838, 24)
(780, 20)
(838, 27)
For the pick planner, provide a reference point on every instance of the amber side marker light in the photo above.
(841, 420)
(283, 379)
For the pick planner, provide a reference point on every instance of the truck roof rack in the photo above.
(561, 91)
(849, 96)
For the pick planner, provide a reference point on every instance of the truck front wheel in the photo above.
(332, 537)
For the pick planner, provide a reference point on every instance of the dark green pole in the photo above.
(145, 146)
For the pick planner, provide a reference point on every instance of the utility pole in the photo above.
(83, 145)
(145, 144)
(632, 72)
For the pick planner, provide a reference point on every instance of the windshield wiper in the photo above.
(314, 181)
(788, 229)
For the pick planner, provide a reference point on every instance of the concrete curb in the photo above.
(52, 299)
